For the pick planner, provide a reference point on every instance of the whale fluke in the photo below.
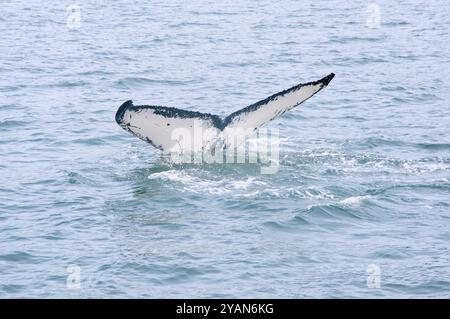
(166, 128)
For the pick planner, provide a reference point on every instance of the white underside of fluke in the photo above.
(170, 134)
(177, 131)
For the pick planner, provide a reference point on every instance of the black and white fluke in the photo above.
(165, 127)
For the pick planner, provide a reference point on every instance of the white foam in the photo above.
(354, 200)
(198, 185)
(172, 175)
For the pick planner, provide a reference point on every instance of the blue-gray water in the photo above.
(365, 164)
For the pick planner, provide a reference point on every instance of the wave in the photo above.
(131, 82)
(94, 72)
(337, 211)
(19, 257)
(434, 146)
(7, 124)
(61, 84)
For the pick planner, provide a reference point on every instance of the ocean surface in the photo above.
(360, 205)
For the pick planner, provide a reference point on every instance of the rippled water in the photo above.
(364, 181)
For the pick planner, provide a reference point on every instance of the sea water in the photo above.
(359, 205)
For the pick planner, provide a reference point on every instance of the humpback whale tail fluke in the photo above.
(163, 126)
